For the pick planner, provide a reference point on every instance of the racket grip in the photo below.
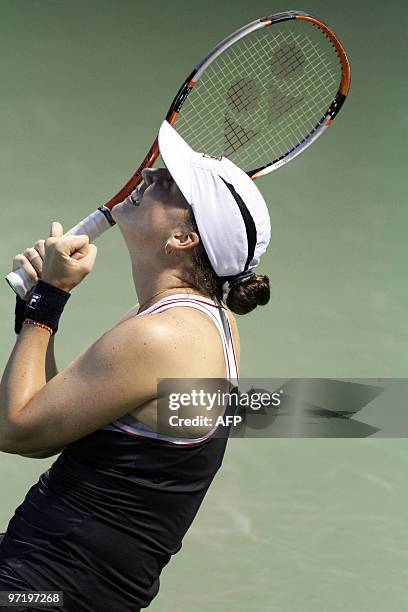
(93, 226)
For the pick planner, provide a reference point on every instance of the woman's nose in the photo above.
(147, 174)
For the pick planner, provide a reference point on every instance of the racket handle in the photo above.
(93, 226)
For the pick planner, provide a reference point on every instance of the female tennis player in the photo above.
(105, 519)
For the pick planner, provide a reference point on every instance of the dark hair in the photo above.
(243, 296)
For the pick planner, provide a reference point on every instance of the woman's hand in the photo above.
(67, 260)
(31, 261)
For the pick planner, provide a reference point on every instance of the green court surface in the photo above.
(289, 525)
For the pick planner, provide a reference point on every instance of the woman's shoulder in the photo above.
(195, 326)
(180, 326)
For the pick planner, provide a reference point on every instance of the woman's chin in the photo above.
(124, 212)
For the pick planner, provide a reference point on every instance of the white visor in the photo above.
(229, 210)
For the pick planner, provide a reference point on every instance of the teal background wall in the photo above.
(289, 524)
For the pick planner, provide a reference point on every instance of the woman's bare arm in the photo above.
(51, 369)
(115, 375)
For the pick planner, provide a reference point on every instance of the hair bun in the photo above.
(247, 292)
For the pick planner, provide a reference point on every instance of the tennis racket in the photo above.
(260, 98)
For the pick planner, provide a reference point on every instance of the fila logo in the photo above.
(216, 157)
(34, 299)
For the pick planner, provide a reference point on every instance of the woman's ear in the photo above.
(181, 241)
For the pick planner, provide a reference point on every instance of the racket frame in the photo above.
(192, 79)
(101, 219)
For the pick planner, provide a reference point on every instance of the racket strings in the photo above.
(235, 136)
(243, 94)
(287, 60)
(263, 95)
(287, 134)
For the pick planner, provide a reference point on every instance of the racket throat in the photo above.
(105, 211)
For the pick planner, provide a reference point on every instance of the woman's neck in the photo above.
(153, 285)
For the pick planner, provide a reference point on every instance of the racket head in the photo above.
(261, 96)
(266, 93)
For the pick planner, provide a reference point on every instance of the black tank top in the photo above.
(108, 515)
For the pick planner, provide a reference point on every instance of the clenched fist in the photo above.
(67, 259)
(60, 261)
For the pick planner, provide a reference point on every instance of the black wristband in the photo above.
(45, 305)
(19, 313)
